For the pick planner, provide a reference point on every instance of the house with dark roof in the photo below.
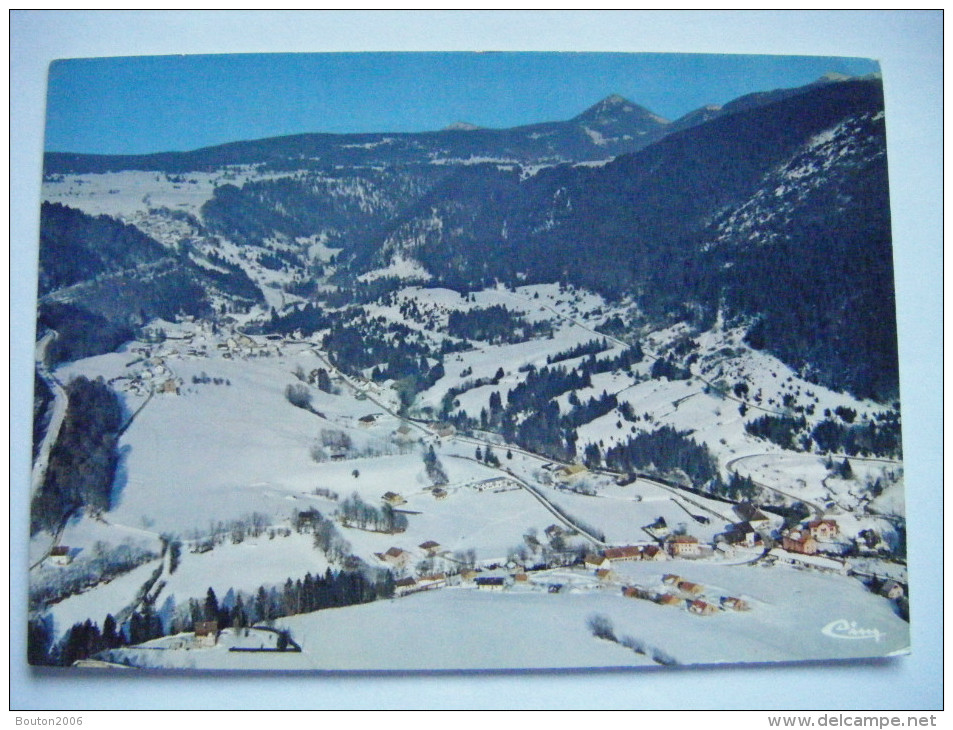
(430, 547)
(206, 633)
(628, 553)
(490, 583)
(404, 586)
(749, 512)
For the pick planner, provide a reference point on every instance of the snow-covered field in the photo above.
(794, 615)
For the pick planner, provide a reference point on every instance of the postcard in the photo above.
(465, 361)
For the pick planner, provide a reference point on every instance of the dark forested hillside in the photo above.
(772, 211)
(75, 247)
(811, 266)
(83, 460)
(101, 278)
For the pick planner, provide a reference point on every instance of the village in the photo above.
(428, 495)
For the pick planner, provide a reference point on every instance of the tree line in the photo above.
(83, 461)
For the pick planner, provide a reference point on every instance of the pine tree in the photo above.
(211, 606)
(111, 638)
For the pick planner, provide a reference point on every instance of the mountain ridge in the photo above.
(633, 128)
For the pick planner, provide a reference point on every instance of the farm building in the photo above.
(206, 633)
(625, 554)
(823, 530)
(430, 547)
(701, 608)
(60, 555)
(396, 557)
(684, 546)
(750, 513)
(490, 583)
(735, 604)
(799, 541)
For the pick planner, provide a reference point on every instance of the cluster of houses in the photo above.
(808, 539)
(153, 377)
(399, 559)
(682, 593)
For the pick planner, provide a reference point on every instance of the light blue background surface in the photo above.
(909, 47)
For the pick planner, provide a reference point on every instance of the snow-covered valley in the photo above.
(388, 409)
(222, 447)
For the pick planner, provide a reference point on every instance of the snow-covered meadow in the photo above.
(794, 615)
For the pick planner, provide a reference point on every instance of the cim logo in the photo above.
(844, 629)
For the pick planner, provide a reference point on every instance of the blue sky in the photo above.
(162, 103)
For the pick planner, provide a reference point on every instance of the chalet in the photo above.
(493, 483)
(206, 633)
(404, 586)
(393, 499)
(815, 562)
(636, 592)
(891, 589)
(307, 518)
(626, 554)
(596, 562)
(701, 608)
(403, 434)
(367, 421)
(823, 530)
(750, 513)
(735, 604)
(430, 547)
(571, 472)
(670, 579)
(742, 534)
(554, 587)
(396, 557)
(493, 583)
(439, 493)
(521, 578)
(658, 529)
(684, 546)
(799, 541)
(60, 555)
(431, 581)
(468, 576)
(667, 599)
(689, 588)
(653, 552)
(443, 430)
(169, 386)
(605, 575)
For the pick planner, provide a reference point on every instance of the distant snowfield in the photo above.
(124, 194)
